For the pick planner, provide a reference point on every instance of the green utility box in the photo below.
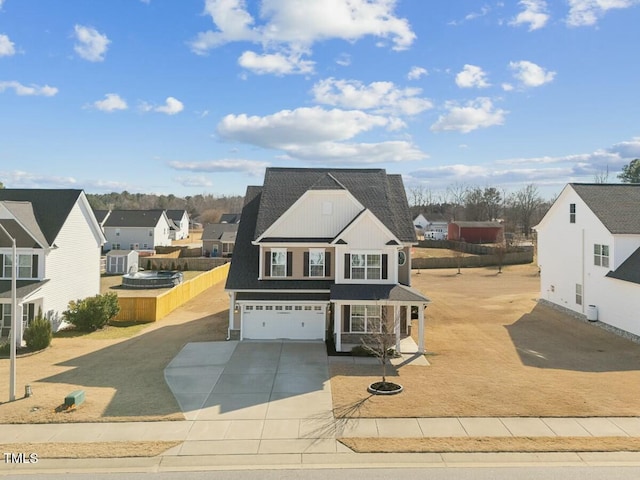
(74, 398)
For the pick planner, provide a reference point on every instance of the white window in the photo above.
(601, 255)
(278, 307)
(151, 232)
(317, 308)
(572, 213)
(288, 307)
(307, 307)
(248, 308)
(279, 262)
(268, 307)
(115, 246)
(258, 307)
(316, 263)
(365, 319)
(117, 232)
(578, 294)
(5, 319)
(298, 307)
(366, 266)
(25, 264)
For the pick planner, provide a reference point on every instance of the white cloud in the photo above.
(531, 75)
(472, 16)
(171, 106)
(627, 149)
(479, 113)
(382, 97)
(534, 14)
(24, 90)
(299, 126)
(588, 12)
(7, 47)
(357, 153)
(275, 63)
(91, 44)
(344, 60)
(22, 179)
(507, 87)
(472, 76)
(253, 167)
(111, 103)
(199, 181)
(416, 73)
(289, 28)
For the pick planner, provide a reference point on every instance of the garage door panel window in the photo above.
(365, 319)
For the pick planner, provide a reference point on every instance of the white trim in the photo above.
(358, 218)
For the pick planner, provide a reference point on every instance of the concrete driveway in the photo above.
(254, 397)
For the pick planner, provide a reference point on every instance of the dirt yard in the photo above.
(122, 375)
(495, 352)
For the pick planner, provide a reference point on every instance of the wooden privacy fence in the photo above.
(152, 309)
(477, 261)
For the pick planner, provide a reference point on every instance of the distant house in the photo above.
(137, 230)
(431, 226)
(180, 227)
(219, 239)
(230, 218)
(475, 232)
(58, 242)
(589, 253)
(101, 216)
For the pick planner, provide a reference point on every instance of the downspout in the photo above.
(584, 296)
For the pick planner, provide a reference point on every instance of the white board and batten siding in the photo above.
(318, 214)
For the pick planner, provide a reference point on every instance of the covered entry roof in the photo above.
(393, 293)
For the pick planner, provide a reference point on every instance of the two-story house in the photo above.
(137, 229)
(589, 253)
(180, 227)
(323, 251)
(58, 242)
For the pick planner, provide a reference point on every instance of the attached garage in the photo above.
(261, 321)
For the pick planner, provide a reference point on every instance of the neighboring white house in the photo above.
(58, 244)
(137, 230)
(589, 253)
(432, 226)
(180, 227)
(324, 252)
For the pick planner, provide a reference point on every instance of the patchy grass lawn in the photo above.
(419, 252)
(495, 352)
(121, 369)
(90, 450)
(493, 444)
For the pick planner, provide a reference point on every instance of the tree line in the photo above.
(201, 208)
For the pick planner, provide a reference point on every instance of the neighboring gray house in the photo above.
(122, 261)
(219, 239)
(101, 216)
(137, 230)
(180, 227)
(58, 244)
(324, 252)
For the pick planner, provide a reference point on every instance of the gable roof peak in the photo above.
(327, 182)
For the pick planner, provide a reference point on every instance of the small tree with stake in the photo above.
(458, 253)
(500, 250)
(381, 344)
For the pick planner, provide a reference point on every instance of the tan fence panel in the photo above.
(152, 309)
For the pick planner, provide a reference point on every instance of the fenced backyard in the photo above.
(154, 308)
(471, 255)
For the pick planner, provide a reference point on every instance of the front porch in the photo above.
(359, 311)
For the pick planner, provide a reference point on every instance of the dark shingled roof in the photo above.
(134, 218)
(23, 287)
(24, 228)
(383, 194)
(629, 271)
(230, 218)
(397, 293)
(215, 231)
(175, 215)
(101, 215)
(616, 205)
(51, 207)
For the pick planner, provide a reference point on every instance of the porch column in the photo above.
(337, 325)
(421, 329)
(232, 307)
(396, 325)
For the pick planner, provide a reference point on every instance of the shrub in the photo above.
(4, 349)
(38, 334)
(92, 313)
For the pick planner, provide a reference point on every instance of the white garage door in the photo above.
(291, 322)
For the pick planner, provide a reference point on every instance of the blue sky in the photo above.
(199, 96)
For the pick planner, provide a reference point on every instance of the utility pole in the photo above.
(14, 318)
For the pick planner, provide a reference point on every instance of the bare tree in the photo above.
(602, 176)
(456, 194)
(458, 253)
(382, 344)
(526, 203)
